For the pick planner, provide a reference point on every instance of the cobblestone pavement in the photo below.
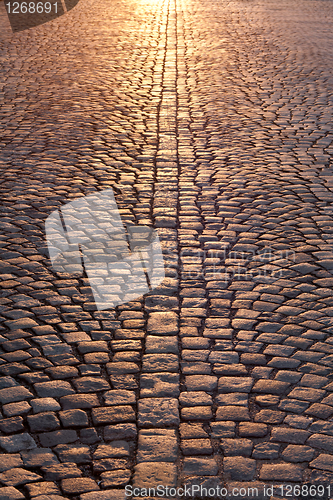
(212, 121)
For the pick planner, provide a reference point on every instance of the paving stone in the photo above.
(195, 343)
(44, 421)
(252, 430)
(271, 386)
(295, 453)
(127, 382)
(188, 431)
(73, 418)
(298, 421)
(223, 429)
(267, 400)
(77, 485)
(262, 372)
(197, 413)
(13, 409)
(21, 323)
(254, 359)
(283, 363)
(53, 389)
(279, 350)
(266, 451)
(269, 416)
(159, 385)
(78, 454)
(90, 384)
(235, 384)
(200, 466)
(44, 488)
(17, 442)
(156, 412)
(120, 431)
(45, 405)
(15, 368)
(223, 357)
(50, 439)
(151, 474)
(235, 413)
(33, 377)
(199, 398)
(10, 461)
(195, 367)
(159, 445)
(234, 398)
(314, 381)
(321, 477)
(106, 464)
(39, 457)
(320, 441)
(323, 462)
(163, 323)
(279, 472)
(13, 394)
(7, 382)
(61, 471)
(155, 344)
(236, 447)
(62, 372)
(115, 478)
(89, 436)
(112, 450)
(293, 405)
(160, 363)
(97, 346)
(321, 426)
(239, 468)
(122, 367)
(285, 435)
(218, 333)
(201, 383)
(306, 394)
(247, 244)
(18, 476)
(119, 397)
(196, 447)
(11, 425)
(10, 493)
(319, 410)
(328, 400)
(79, 401)
(112, 415)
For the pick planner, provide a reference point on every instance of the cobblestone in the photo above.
(239, 468)
(10, 493)
(213, 124)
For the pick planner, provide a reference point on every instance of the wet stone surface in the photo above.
(212, 123)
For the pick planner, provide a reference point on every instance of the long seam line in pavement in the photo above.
(168, 131)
